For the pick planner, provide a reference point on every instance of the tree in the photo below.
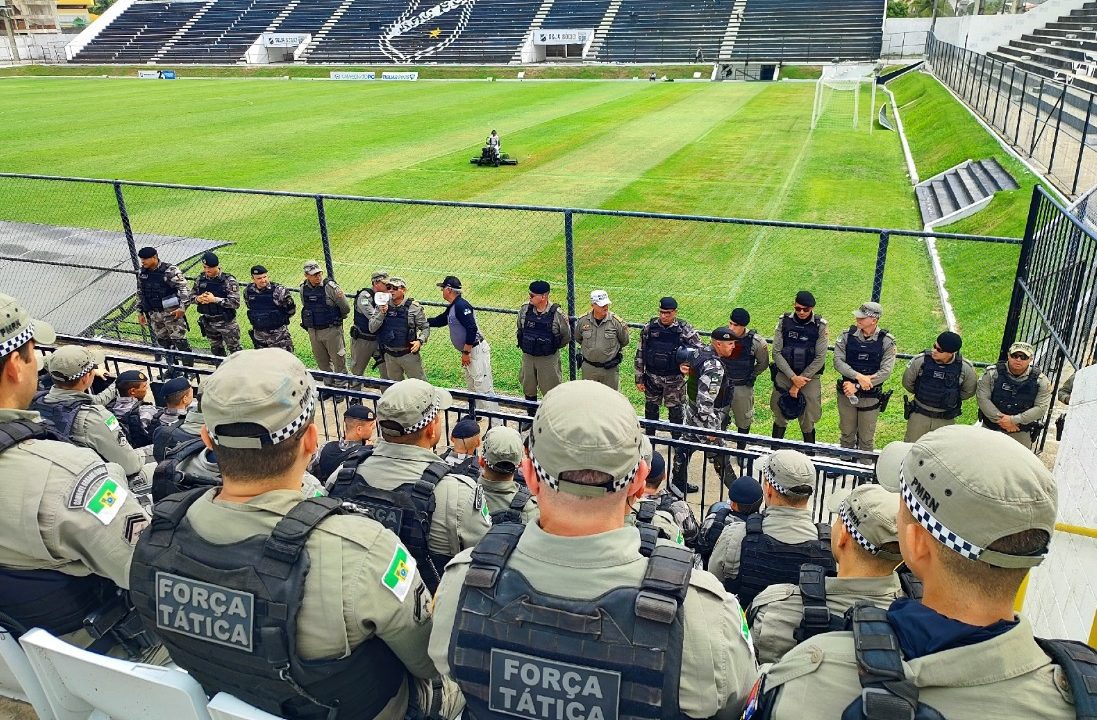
(898, 9)
(100, 6)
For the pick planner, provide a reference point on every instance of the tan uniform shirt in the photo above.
(345, 602)
(1006, 677)
(887, 362)
(601, 340)
(718, 667)
(498, 495)
(98, 429)
(65, 509)
(777, 611)
(461, 516)
(967, 378)
(782, 523)
(815, 367)
(1036, 413)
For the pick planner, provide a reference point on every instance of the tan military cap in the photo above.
(311, 267)
(409, 406)
(970, 486)
(268, 389)
(790, 472)
(1022, 347)
(502, 448)
(72, 362)
(584, 425)
(17, 328)
(868, 512)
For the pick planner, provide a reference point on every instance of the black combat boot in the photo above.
(680, 475)
(809, 437)
(742, 444)
(779, 431)
(651, 412)
(676, 415)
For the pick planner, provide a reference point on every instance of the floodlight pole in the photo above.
(9, 27)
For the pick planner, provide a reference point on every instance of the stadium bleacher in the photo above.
(809, 31)
(668, 31)
(225, 32)
(139, 32)
(575, 14)
(309, 16)
(1064, 49)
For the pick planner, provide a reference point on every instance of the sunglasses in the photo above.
(391, 287)
(1019, 356)
(666, 312)
(801, 308)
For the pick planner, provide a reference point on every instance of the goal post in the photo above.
(840, 93)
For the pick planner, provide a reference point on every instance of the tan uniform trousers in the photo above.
(856, 424)
(813, 394)
(540, 373)
(610, 377)
(919, 424)
(329, 348)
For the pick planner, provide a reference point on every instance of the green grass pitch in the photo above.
(727, 149)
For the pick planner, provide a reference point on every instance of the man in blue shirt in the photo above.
(467, 340)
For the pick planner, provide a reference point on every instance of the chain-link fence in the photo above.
(67, 223)
(1050, 122)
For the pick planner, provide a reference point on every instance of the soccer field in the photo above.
(725, 149)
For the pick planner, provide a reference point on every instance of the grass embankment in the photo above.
(731, 149)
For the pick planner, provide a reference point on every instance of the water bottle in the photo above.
(854, 400)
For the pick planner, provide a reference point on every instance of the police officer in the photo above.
(708, 390)
(467, 339)
(436, 513)
(82, 418)
(865, 546)
(673, 516)
(67, 540)
(270, 309)
(178, 411)
(323, 307)
(864, 356)
(217, 295)
(287, 602)
(162, 299)
(603, 337)
(542, 330)
(177, 395)
(135, 416)
(769, 547)
(744, 500)
(363, 341)
(571, 597)
(464, 446)
(359, 427)
(657, 370)
(977, 513)
(402, 331)
(941, 379)
(749, 358)
(1014, 396)
(799, 355)
(507, 500)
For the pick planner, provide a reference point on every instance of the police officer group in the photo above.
(397, 589)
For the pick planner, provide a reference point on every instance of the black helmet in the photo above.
(792, 407)
(686, 355)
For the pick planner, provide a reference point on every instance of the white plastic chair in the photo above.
(17, 678)
(229, 707)
(80, 685)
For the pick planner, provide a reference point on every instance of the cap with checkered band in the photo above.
(410, 405)
(789, 472)
(17, 328)
(868, 512)
(71, 362)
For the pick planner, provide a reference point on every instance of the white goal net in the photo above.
(845, 98)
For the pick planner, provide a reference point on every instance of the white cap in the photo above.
(599, 298)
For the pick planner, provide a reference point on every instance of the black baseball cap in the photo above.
(451, 281)
(359, 411)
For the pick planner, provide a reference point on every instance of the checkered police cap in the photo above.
(936, 528)
(850, 522)
(17, 328)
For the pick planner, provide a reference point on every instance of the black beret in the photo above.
(949, 342)
(146, 252)
(539, 287)
(210, 259)
(173, 386)
(258, 270)
(465, 428)
(131, 377)
(740, 316)
(668, 303)
(805, 298)
(722, 333)
(359, 411)
(658, 467)
(745, 490)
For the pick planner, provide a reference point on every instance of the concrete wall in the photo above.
(1062, 592)
(905, 37)
(37, 47)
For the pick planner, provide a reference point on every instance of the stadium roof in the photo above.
(39, 264)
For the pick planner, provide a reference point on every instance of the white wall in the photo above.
(1062, 592)
(905, 37)
(38, 47)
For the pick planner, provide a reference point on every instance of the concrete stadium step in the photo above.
(735, 21)
(961, 191)
(538, 19)
(603, 29)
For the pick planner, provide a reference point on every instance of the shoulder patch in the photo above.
(478, 498)
(400, 575)
(107, 500)
(135, 525)
(89, 479)
(111, 421)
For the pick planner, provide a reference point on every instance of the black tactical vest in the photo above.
(316, 311)
(407, 511)
(228, 615)
(864, 356)
(335, 453)
(394, 331)
(798, 342)
(535, 336)
(48, 599)
(938, 386)
(661, 347)
(217, 286)
(1013, 396)
(739, 369)
(764, 561)
(166, 437)
(133, 426)
(361, 322)
(155, 288)
(697, 366)
(513, 512)
(60, 416)
(519, 651)
(263, 312)
(167, 479)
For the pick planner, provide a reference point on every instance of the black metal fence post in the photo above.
(322, 218)
(881, 261)
(1055, 138)
(569, 260)
(1020, 111)
(1036, 123)
(1082, 146)
(127, 228)
(1013, 315)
